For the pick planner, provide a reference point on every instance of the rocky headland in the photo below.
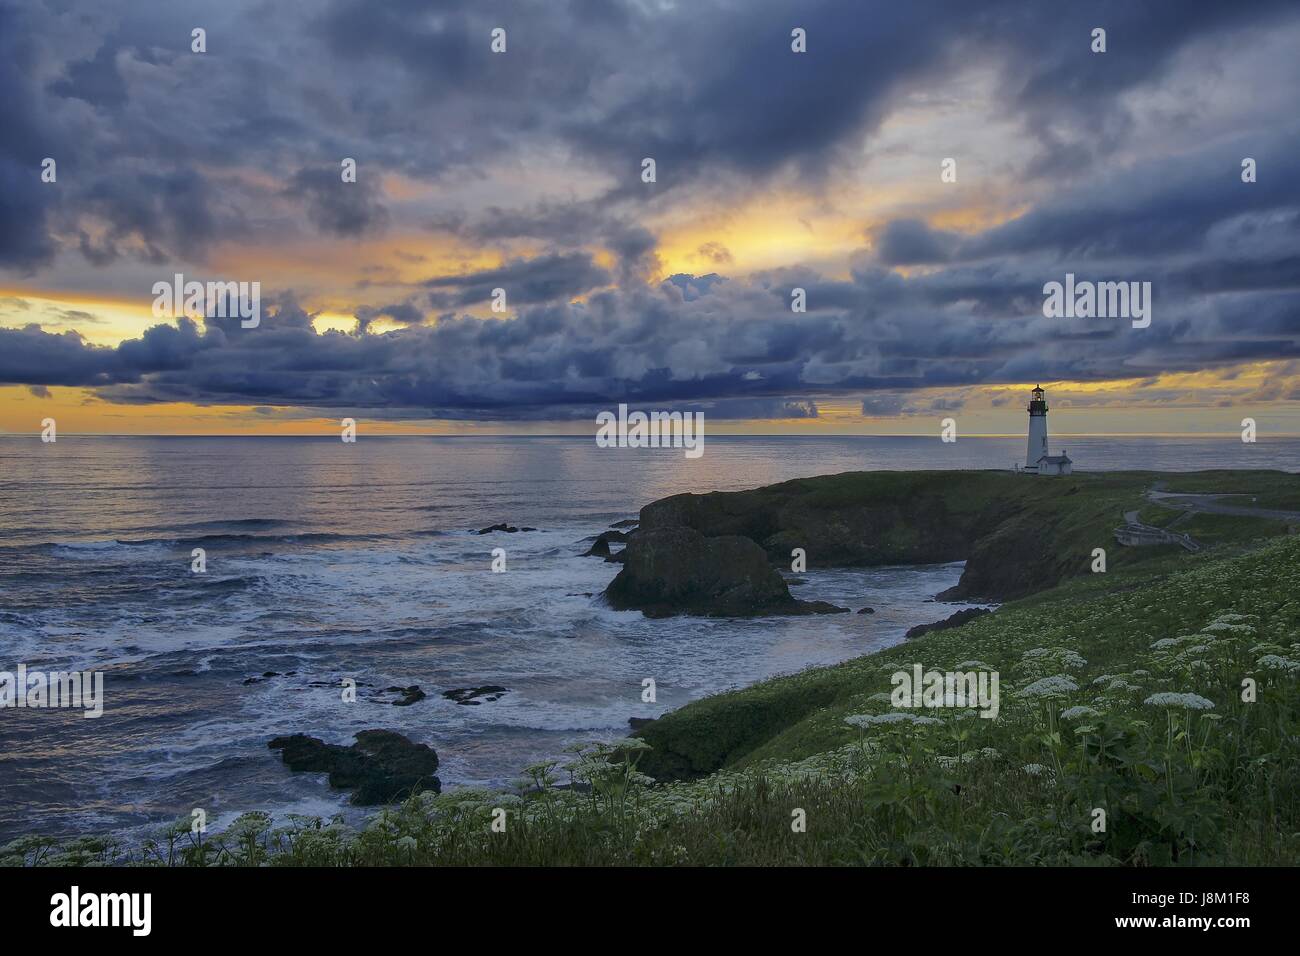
(719, 553)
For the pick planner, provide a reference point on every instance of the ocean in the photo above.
(328, 560)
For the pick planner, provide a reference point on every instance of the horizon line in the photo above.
(589, 435)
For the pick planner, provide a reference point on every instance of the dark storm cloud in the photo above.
(1071, 104)
(910, 242)
(338, 207)
(31, 356)
(25, 201)
(1159, 209)
(96, 80)
(403, 313)
(155, 213)
(25, 242)
(566, 224)
(525, 281)
(1162, 207)
(693, 339)
(703, 88)
(163, 153)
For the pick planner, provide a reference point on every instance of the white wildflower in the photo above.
(1079, 712)
(1275, 662)
(1179, 701)
(1219, 627)
(894, 717)
(1165, 643)
(1056, 686)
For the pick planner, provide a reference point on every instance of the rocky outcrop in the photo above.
(677, 570)
(381, 767)
(1016, 534)
(408, 695)
(472, 695)
(600, 547)
(506, 528)
(955, 620)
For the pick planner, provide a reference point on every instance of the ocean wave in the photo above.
(111, 545)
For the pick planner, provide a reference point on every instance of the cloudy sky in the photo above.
(522, 171)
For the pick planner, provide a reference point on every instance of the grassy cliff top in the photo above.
(1019, 534)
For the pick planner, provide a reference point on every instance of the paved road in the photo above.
(1210, 504)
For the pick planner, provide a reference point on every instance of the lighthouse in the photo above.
(1037, 459)
(1037, 427)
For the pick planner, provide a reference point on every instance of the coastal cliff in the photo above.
(676, 569)
(1018, 535)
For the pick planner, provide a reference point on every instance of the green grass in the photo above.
(1158, 516)
(1213, 530)
(1271, 489)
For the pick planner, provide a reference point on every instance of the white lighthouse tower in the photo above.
(1037, 427)
(1037, 459)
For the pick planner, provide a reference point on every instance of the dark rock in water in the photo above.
(867, 610)
(636, 723)
(617, 558)
(956, 620)
(626, 523)
(507, 528)
(470, 695)
(600, 548)
(381, 767)
(677, 570)
(409, 695)
(819, 607)
(266, 676)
